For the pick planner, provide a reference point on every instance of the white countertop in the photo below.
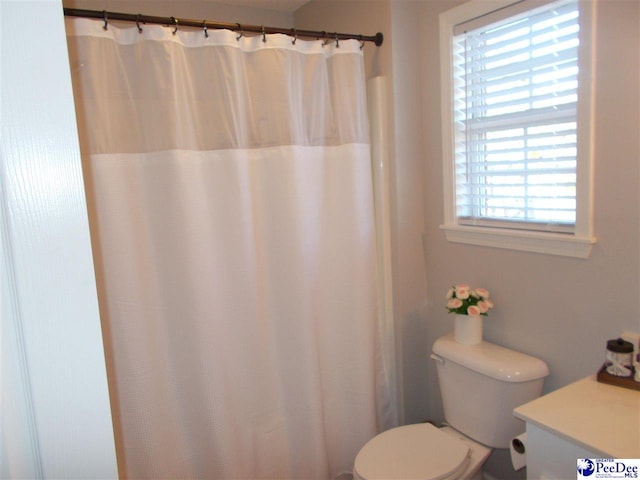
(602, 418)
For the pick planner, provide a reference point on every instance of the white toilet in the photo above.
(480, 386)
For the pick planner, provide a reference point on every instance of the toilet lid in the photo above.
(417, 452)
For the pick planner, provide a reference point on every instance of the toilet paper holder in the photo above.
(518, 451)
(518, 446)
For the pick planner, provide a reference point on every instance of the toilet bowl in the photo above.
(480, 386)
(421, 452)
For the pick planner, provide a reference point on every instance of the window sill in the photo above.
(527, 241)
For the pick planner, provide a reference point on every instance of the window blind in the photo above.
(515, 97)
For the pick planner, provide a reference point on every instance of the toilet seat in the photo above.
(416, 452)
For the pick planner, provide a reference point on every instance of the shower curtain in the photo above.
(229, 181)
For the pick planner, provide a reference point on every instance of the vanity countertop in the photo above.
(602, 418)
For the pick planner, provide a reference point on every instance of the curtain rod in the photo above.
(204, 24)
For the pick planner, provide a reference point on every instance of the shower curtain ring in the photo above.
(295, 36)
(175, 23)
(239, 36)
(337, 42)
(138, 23)
(204, 27)
(264, 36)
(361, 42)
(106, 22)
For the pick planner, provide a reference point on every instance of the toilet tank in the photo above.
(482, 384)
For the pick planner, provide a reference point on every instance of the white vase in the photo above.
(467, 329)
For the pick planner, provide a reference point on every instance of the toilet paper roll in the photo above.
(518, 450)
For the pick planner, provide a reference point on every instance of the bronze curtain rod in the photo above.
(204, 24)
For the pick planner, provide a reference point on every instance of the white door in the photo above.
(55, 420)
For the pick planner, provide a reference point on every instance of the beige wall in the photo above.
(191, 9)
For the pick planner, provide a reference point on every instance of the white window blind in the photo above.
(515, 97)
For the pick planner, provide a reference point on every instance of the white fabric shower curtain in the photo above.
(230, 184)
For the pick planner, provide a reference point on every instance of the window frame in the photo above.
(575, 244)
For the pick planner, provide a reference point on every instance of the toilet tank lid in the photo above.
(492, 360)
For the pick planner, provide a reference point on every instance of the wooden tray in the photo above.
(626, 382)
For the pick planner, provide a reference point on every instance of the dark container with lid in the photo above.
(619, 357)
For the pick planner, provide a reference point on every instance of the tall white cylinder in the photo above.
(377, 89)
(467, 329)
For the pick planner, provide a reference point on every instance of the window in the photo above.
(516, 120)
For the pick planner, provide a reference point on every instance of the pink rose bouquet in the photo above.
(461, 299)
